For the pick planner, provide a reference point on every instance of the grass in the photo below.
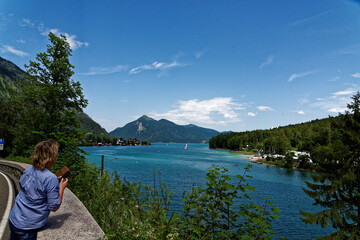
(244, 152)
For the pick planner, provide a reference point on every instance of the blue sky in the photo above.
(227, 65)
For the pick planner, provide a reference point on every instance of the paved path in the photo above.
(71, 222)
(6, 202)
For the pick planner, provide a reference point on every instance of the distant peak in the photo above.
(144, 117)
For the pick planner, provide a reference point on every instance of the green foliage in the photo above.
(273, 161)
(44, 102)
(131, 210)
(90, 127)
(289, 160)
(278, 140)
(127, 210)
(219, 211)
(49, 99)
(46, 106)
(338, 191)
(9, 114)
(12, 80)
(10, 75)
(304, 162)
(156, 200)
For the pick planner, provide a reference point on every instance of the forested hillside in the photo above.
(10, 74)
(91, 128)
(148, 129)
(302, 137)
(10, 78)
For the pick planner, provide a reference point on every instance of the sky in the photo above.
(233, 65)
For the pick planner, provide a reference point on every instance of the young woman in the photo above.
(40, 193)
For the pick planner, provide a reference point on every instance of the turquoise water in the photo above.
(181, 168)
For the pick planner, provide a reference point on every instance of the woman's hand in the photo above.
(63, 183)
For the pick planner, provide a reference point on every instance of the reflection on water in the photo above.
(289, 172)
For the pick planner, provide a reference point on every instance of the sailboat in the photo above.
(185, 146)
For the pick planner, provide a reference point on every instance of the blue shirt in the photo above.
(39, 194)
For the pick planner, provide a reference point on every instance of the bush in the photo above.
(216, 212)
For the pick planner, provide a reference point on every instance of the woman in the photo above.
(40, 193)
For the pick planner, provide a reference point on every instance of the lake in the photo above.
(181, 168)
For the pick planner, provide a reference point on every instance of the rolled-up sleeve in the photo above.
(38, 196)
(52, 194)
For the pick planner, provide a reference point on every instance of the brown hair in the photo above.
(44, 152)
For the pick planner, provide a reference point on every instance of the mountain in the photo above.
(88, 125)
(148, 129)
(11, 75)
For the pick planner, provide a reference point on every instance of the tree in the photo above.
(50, 98)
(234, 143)
(8, 113)
(289, 160)
(304, 162)
(220, 211)
(338, 191)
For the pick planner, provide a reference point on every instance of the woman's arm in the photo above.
(62, 185)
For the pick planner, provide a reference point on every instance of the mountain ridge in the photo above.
(148, 129)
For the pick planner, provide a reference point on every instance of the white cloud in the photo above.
(41, 28)
(26, 22)
(336, 102)
(302, 74)
(348, 91)
(356, 75)
(21, 41)
(264, 108)
(303, 101)
(349, 50)
(301, 113)
(199, 54)
(337, 110)
(251, 114)
(334, 79)
(162, 66)
(106, 70)
(215, 111)
(10, 49)
(5, 19)
(267, 62)
(71, 39)
(308, 19)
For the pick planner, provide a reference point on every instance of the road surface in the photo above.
(6, 201)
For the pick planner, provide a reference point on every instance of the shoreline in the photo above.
(293, 168)
(267, 163)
